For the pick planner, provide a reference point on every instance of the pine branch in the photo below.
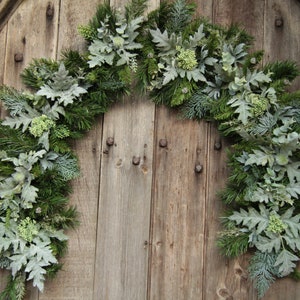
(282, 69)
(13, 141)
(14, 101)
(39, 72)
(233, 243)
(262, 271)
(197, 107)
(180, 16)
(15, 289)
(135, 8)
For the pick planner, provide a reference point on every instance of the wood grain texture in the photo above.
(281, 28)
(124, 202)
(177, 238)
(148, 229)
(72, 14)
(31, 34)
(223, 278)
(247, 14)
(204, 8)
(3, 35)
(76, 279)
(7, 8)
(80, 261)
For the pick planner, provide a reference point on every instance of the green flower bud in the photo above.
(276, 225)
(40, 124)
(28, 229)
(118, 41)
(186, 59)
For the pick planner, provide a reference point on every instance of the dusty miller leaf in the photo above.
(285, 261)
(252, 219)
(62, 88)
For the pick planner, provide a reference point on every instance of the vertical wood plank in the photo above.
(178, 208)
(125, 196)
(177, 233)
(32, 33)
(3, 35)
(124, 203)
(247, 14)
(72, 14)
(76, 279)
(223, 278)
(282, 27)
(204, 8)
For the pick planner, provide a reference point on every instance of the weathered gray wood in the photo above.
(247, 14)
(7, 8)
(76, 279)
(31, 34)
(223, 278)
(178, 212)
(3, 35)
(124, 202)
(281, 28)
(72, 14)
(227, 278)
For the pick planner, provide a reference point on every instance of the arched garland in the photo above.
(203, 70)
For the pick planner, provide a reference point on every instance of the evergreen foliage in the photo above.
(203, 70)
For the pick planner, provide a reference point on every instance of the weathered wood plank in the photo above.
(178, 208)
(80, 260)
(125, 197)
(32, 33)
(281, 28)
(72, 14)
(247, 14)
(7, 8)
(3, 35)
(204, 8)
(124, 202)
(75, 281)
(223, 278)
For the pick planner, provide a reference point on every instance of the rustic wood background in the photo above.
(147, 231)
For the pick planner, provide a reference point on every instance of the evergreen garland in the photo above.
(203, 70)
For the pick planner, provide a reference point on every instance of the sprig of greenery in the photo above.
(183, 61)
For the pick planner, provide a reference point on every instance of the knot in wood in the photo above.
(136, 160)
(18, 57)
(163, 143)
(218, 146)
(110, 141)
(198, 168)
(279, 22)
(50, 11)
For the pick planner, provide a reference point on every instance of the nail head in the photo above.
(218, 146)
(50, 11)
(110, 141)
(136, 160)
(279, 22)
(18, 57)
(163, 143)
(198, 168)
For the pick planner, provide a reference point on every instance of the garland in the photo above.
(205, 71)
